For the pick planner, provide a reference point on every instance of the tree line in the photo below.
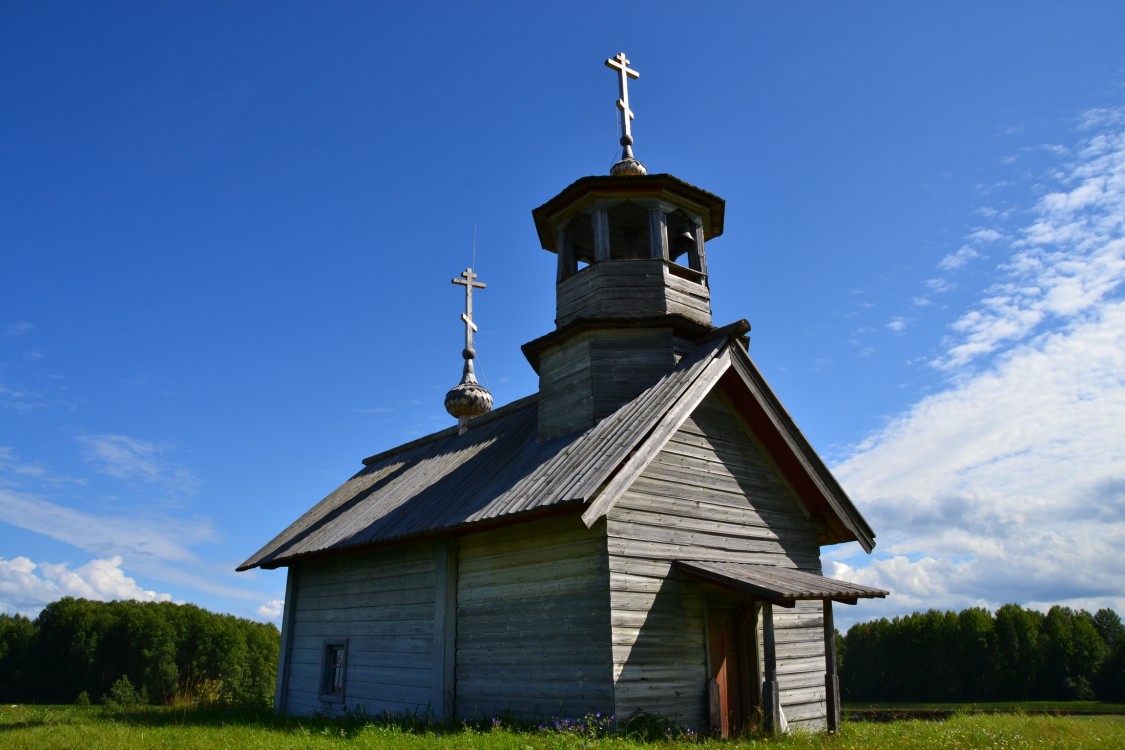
(1015, 654)
(77, 649)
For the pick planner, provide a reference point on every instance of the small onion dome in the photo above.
(628, 167)
(468, 398)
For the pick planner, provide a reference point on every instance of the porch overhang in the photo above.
(781, 586)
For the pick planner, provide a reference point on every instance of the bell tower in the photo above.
(631, 287)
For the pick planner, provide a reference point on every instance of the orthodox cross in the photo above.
(468, 280)
(621, 64)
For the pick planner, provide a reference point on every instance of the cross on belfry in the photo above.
(468, 281)
(621, 64)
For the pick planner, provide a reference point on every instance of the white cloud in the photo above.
(985, 235)
(1009, 484)
(272, 610)
(1098, 118)
(898, 324)
(1070, 258)
(26, 587)
(18, 329)
(956, 260)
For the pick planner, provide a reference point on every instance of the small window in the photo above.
(335, 667)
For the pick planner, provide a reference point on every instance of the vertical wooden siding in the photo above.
(709, 495)
(533, 622)
(383, 603)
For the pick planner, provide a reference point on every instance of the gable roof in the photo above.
(498, 470)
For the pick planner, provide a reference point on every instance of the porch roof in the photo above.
(782, 586)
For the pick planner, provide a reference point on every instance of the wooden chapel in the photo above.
(641, 535)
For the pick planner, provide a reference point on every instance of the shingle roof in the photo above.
(499, 470)
(496, 469)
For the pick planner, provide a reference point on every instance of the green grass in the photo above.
(49, 727)
(890, 711)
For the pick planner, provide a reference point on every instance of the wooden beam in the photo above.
(445, 628)
(771, 706)
(831, 679)
(601, 234)
(658, 234)
(281, 690)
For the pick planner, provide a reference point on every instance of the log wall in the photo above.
(382, 604)
(593, 373)
(533, 622)
(623, 288)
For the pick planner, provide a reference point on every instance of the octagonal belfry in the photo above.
(631, 291)
(631, 245)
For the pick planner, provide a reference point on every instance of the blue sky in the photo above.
(227, 233)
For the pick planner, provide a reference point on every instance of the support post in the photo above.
(697, 256)
(567, 266)
(831, 679)
(658, 234)
(288, 616)
(445, 629)
(771, 705)
(600, 221)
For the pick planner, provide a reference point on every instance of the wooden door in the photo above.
(729, 686)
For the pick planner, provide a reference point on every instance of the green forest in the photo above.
(171, 654)
(1015, 654)
(180, 654)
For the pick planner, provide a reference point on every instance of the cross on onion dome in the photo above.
(468, 398)
(627, 164)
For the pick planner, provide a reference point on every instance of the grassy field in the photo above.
(48, 727)
(892, 711)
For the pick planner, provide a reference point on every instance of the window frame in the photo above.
(332, 690)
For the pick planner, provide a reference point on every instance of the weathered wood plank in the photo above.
(388, 627)
(530, 609)
(393, 652)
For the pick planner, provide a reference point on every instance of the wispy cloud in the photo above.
(939, 285)
(897, 324)
(12, 468)
(25, 386)
(132, 536)
(985, 236)
(1069, 259)
(1009, 484)
(131, 459)
(956, 260)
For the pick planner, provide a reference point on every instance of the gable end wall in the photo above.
(709, 495)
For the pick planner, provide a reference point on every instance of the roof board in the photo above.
(779, 585)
